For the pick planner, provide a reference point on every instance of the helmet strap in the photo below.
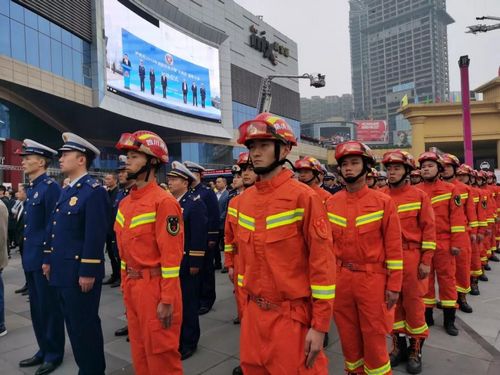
(275, 164)
(352, 180)
(407, 172)
(145, 168)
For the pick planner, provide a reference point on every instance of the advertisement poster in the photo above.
(160, 65)
(401, 137)
(372, 131)
(333, 135)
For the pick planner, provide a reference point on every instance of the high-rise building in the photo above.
(320, 109)
(398, 48)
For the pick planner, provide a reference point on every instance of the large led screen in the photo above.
(159, 65)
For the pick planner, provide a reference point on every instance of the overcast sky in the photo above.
(321, 30)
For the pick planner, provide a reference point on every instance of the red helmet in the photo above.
(308, 162)
(146, 142)
(267, 126)
(373, 173)
(416, 173)
(399, 156)
(465, 169)
(430, 155)
(451, 160)
(243, 159)
(354, 148)
(481, 174)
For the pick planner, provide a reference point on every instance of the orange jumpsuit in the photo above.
(479, 228)
(322, 193)
(492, 218)
(497, 234)
(231, 258)
(450, 230)
(367, 244)
(463, 260)
(287, 271)
(150, 235)
(418, 230)
(488, 245)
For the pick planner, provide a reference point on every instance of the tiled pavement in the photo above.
(474, 351)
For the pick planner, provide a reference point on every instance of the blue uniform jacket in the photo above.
(42, 195)
(78, 230)
(194, 213)
(210, 199)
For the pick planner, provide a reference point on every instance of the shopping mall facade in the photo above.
(187, 70)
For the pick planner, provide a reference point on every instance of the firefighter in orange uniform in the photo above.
(286, 260)
(463, 260)
(230, 250)
(484, 228)
(309, 170)
(231, 258)
(367, 244)
(450, 228)
(415, 177)
(371, 179)
(465, 174)
(418, 229)
(491, 186)
(150, 234)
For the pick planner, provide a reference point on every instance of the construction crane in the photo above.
(481, 28)
(265, 97)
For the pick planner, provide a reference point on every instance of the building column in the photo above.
(418, 135)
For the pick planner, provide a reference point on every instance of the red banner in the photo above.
(372, 131)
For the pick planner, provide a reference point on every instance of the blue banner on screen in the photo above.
(160, 65)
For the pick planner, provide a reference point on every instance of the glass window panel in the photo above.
(4, 7)
(56, 56)
(77, 43)
(32, 47)
(4, 36)
(16, 12)
(44, 43)
(67, 62)
(30, 19)
(17, 41)
(43, 26)
(66, 37)
(77, 67)
(55, 32)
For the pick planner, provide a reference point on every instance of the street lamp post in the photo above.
(463, 63)
(265, 97)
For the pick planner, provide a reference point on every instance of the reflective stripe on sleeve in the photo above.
(284, 218)
(323, 291)
(394, 264)
(170, 272)
(428, 245)
(145, 218)
(440, 198)
(369, 218)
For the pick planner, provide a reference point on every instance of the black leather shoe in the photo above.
(46, 368)
(429, 319)
(236, 320)
(494, 258)
(33, 361)
(109, 281)
(203, 310)
(186, 353)
(487, 267)
(218, 267)
(116, 284)
(122, 331)
(22, 290)
(223, 270)
(483, 277)
(25, 293)
(237, 371)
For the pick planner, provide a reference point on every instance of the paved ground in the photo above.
(474, 351)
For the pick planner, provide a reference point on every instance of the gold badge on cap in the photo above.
(73, 201)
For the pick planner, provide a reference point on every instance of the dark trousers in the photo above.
(220, 247)
(195, 100)
(142, 83)
(114, 259)
(185, 97)
(152, 84)
(190, 329)
(203, 102)
(207, 276)
(164, 89)
(81, 314)
(47, 317)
